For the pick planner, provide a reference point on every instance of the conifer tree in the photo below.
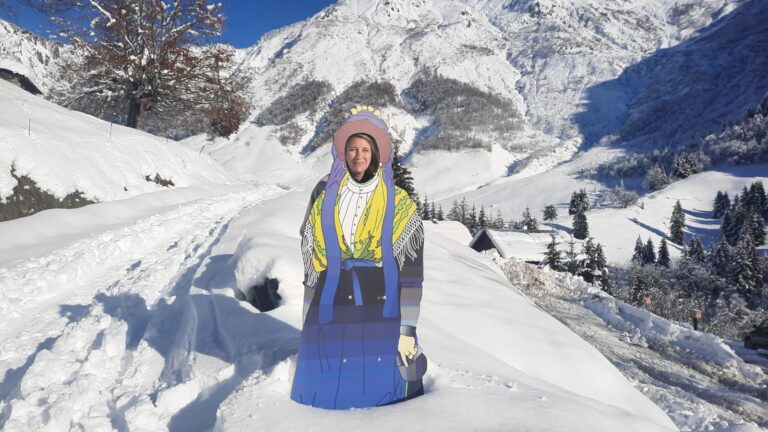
(440, 215)
(432, 211)
(637, 256)
(649, 255)
(721, 205)
(696, 250)
(472, 220)
(571, 257)
(728, 229)
(722, 260)
(580, 226)
(528, 222)
(590, 251)
(757, 198)
(550, 213)
(552, 256)
(756, 227)
(401, 173)
(464, 211)
(425, 208)
(482, 222)
(663, 254)
(573, 204)
(746, 269)
(453, 213)
(677, 223)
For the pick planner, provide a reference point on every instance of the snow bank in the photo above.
(64, 151)
(640, 326)
(497, 362)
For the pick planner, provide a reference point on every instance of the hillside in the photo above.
(64, 152)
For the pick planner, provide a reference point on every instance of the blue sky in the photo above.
(246, 21)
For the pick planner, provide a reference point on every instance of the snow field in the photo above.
(110, 343)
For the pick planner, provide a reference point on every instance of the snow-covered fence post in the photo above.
(110, 131)
(29, 127)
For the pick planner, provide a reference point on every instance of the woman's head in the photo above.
(361, 154)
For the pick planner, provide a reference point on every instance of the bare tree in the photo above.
(145, 54)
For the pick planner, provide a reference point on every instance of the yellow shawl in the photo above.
(367, 244)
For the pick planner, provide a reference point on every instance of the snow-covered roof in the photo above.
(528, 246)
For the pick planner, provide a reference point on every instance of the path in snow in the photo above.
(100, 332)
(696, 394)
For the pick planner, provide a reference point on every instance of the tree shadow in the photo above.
(679, 95)
(650, 228)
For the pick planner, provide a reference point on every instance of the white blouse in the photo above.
(354, 197)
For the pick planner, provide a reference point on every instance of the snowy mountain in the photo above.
(537, 65)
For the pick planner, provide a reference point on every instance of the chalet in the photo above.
(525, 245)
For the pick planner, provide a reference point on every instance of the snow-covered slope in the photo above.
(145, 333)
(64, 151)
(615, 228)
(701, 381)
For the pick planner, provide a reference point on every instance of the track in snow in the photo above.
(114, 328)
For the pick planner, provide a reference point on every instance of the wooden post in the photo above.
(29, 127)
(110, 131)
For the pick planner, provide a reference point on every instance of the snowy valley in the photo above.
(135, 312)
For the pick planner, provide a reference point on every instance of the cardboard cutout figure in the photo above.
(362, 245)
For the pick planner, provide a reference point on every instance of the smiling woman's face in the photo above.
(358, 156)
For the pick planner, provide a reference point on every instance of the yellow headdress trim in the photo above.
(368, 108)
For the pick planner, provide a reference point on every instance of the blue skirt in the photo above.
(351, 361)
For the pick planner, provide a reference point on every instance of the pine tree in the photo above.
(464, 211)
(590, 255)
(663, 254)
(472, 220)
(482, 222)
(425, 208)
(402, 174)
(721, 260)
(721, 204)
(757, 199)
(453, 214)
(552, 256)
(580, 226)
(550, 213)
(573, 204)
(528, 222)
(571, 258)
(746, 269)
(649, 255)
(440, 215)
(696, 250)
(728, 229)
(677, 223)
(637, 256)
(756, 227)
